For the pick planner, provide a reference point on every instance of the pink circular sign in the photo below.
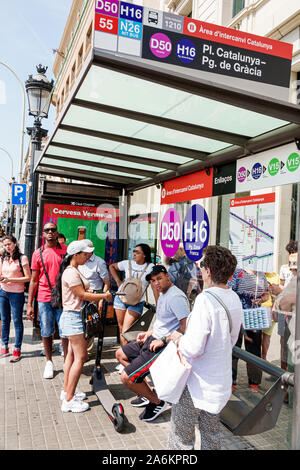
(160, 45)
(170, 232)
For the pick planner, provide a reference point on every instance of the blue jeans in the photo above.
(47, 316)
(11, 303)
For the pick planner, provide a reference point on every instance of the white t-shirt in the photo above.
(172, 307)
(207, 345)
(136, 270)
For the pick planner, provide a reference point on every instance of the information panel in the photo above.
(194, 45)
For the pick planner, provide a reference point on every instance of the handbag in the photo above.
(169, 373)
(91, 320)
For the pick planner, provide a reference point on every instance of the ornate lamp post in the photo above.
(38, 89)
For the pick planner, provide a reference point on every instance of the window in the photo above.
(238, 5)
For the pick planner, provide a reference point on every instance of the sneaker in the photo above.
(75, 405)
(80, 395)
(119, 368)
(16, 356)
(254, 388)
(49, 370)
(139, 401)
(152, 411)
(4, 352)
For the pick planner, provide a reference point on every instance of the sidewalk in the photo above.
(31, 417)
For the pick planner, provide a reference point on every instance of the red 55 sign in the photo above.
(107, 24)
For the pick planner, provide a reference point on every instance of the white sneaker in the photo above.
(49, 370)
(119, 368)
(78, 394)
(75, 405)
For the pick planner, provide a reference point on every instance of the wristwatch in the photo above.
(164, 340)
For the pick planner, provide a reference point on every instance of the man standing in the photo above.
(137, 357)
(45, 266)
(96, 272)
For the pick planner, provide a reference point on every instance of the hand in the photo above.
(100, 304)
(175, 336)
(275, 289)
(141, 338)
(256, 301)
(5, 280)
(30, 313)
(156, 344)
(250, 340)
(108, 296)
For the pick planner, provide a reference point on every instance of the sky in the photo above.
(29, 30)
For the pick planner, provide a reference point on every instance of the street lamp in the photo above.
(38, 89)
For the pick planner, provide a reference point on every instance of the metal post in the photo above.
(296, 395)
(36, 133)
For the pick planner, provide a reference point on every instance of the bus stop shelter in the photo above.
(132, 124)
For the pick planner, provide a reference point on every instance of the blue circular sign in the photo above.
(256, 171)
(185, 51)
(195, 232)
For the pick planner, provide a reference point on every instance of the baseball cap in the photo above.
(88, 242)
(158, 268)
(77, 246)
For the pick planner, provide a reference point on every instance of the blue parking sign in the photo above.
(18, 194)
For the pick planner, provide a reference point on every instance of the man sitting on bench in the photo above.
(137, 357)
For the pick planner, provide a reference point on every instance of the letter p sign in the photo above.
(18, 194)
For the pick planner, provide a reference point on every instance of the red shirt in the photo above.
(52, 258)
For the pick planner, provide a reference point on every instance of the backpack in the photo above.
(131, 291)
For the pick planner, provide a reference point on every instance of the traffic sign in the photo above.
(18, 194)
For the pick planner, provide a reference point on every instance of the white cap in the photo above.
(88, 242)
(77, 246)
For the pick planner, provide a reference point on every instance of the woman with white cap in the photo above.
(72, 288)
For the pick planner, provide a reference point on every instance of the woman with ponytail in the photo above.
(14, 273)
(71, 290)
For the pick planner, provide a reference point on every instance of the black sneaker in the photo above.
(152, 411)
(139, 401)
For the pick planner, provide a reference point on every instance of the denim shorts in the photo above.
(47, 317)
(71, 323)
(119, 305)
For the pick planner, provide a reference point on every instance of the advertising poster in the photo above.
(98, 224)
(251, 231)
(143, 229)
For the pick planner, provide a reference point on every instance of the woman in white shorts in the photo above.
(72, 288)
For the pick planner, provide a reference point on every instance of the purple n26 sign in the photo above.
(170, 232)
(195, 232)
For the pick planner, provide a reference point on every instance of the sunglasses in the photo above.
(47, 230)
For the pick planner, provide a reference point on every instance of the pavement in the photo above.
(31, 418)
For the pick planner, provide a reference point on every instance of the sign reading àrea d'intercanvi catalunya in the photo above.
(224, 55)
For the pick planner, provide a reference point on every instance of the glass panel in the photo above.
(73, 138)
(77, 166)
(98, 159)
(90, 119)
(116, 89)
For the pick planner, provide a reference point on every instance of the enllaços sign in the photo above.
(170, 232)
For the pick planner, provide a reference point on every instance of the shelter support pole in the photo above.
(296, 396)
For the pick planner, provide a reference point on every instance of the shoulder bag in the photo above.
(170, 370)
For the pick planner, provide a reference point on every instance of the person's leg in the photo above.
(67, 365)
(120, 314)
(64, 340)
(265, 344)
(235, 359)
(209, 427)
(182, 427)
(5, 319)
(140, 388)
(16, 301)
(253, 345)
(78, 344)
(47, 321)
(129, 318)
